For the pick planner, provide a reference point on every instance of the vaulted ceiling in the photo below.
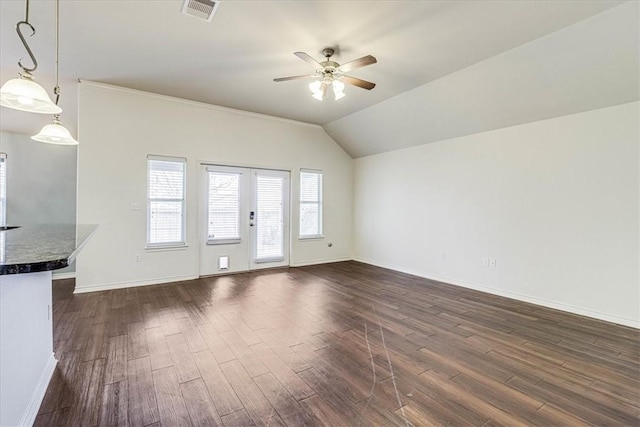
(445, 68)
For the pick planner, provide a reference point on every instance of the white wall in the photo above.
(555, 202)
(119, 127)
(41, 183)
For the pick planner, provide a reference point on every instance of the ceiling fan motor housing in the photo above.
(328, 52)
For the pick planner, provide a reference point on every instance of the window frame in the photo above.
(3, 191)
(319, 201)
(176, 244)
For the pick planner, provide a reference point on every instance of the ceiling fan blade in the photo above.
(358, 82)
(306, 57)
(284, 79)
(357, 63)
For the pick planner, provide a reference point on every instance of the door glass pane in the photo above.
(270, 217)
(224, 206)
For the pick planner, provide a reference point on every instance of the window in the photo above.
(165, 201)
(223, 207)
(310, 204)
(3, 188)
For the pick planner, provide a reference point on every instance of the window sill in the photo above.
(166, 248)
(306, 238)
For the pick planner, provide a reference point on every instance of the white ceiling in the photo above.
(151, 46)
(591, 64)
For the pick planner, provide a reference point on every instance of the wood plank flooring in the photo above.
(343, 344)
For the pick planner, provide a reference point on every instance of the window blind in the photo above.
(223, 208)
(166, 201)
(310, 204)
(270, 218)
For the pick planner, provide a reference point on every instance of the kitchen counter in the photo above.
(42, 247)
(27, 257)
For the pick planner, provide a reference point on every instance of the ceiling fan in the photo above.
(330, 76)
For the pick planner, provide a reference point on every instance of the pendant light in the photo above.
(56, 133)
(24, 93)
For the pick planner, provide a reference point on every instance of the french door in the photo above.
(245, 219)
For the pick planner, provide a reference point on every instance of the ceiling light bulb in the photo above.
(24, 94)
(55, 133)
(338, 95)
(315, 86)
(317, 95)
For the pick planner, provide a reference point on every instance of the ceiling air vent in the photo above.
(202, 9)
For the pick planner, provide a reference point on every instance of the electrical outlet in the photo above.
(492, 262)
(485, 262)
(135, 206)
(444, 255)
(137, 258)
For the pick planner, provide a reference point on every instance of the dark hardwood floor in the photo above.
(342, 344)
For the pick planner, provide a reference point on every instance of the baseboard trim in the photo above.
(321, 261)
(513, 295)
(133, 284)
(61, 276)
(160, 281)
(31, 411)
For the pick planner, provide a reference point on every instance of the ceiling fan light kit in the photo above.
(330, 76)
(23, 93)
(321, 89)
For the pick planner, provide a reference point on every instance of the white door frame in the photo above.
(254, 262)
(241, 254)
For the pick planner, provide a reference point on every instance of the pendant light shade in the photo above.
(26, 95)
(55, 133)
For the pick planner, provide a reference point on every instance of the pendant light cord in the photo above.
(56, 90)
(26, 13)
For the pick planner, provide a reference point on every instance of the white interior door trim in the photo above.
(230, 254)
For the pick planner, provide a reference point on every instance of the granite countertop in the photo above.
(42, 247)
